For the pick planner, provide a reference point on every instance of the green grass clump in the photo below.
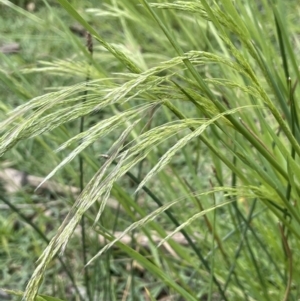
(178, 123)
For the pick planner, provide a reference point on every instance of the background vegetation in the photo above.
(171, 137)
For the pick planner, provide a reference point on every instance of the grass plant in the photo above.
(185, 116)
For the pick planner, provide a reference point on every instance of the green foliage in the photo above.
(186, 107)
(38, 298)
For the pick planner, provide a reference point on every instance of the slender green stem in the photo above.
(239, 248)
(289, 258)
(81, 182)
(212, 261)
(184, 233)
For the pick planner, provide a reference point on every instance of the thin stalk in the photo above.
(284, 237)
(210, 227)
(216, 238)
(132, 286)
(139, 177)
(247, 221)
(282, 48)
(294, 124)
(89, 45)
(184, 233)
(108, 284)
(290, 264)
(233, 185)
(212, 264)
(244, 233)
(238, 215)
(239, 248)
(258, 271)
(285, 36)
